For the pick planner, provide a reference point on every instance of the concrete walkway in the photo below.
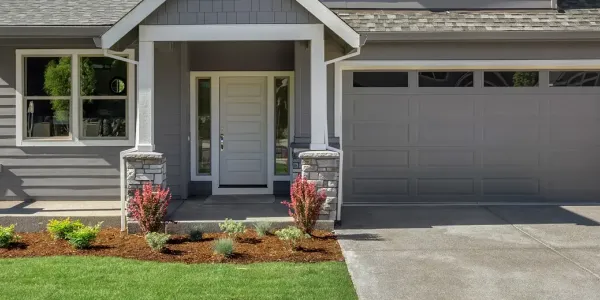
(501, 252)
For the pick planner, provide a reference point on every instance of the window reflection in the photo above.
(282, 103)
(203, 121)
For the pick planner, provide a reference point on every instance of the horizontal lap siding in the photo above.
(54, 173)
(194, 12)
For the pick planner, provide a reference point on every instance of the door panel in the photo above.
(243, 128)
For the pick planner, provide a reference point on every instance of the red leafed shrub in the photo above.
(305, 204)
(149, 207)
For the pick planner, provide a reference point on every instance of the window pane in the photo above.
(445, 79)
(511, 79)
(574, 78)
(104, 118)
(48, 76)
(103, 76)
(203, 115)
(48, 118)
(282, 128)
(380, 79)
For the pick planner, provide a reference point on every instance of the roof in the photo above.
(63, 12)
(573, 15)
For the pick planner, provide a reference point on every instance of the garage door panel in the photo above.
(450, 106)
(446, 158)
(446, 133)
(574, 159)
(568, 106)
(380, 186)
(510, 186)
(571, 131)
(510, 131)
(378, 134)
(445, 186)
(515, 106)
(511, 158)
(377, 158)
(390, 108)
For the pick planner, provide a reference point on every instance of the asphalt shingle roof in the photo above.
(573, 15)
(63, 12)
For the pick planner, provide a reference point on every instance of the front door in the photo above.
(243, 131)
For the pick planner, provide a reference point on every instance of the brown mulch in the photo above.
(249, 248)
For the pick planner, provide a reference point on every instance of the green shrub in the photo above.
(157, 241)
(60, 229)
(224, 247)
(263, 228)
(291, 235)
(8, 236)
(232, 228)
(196, 234)
(83, 238)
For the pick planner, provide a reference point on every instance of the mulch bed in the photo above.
(249, 248)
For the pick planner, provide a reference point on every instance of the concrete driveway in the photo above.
(496, 252)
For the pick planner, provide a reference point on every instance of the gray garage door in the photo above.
(471, 137)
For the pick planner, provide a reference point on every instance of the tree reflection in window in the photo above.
(445, 79)
(511, 79)
(282, 103)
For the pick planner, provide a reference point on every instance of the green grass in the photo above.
(281, 168)
(115, 278)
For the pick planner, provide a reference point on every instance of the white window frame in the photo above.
(75, 138)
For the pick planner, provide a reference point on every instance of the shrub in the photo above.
(60, 229)
(196, 234)
(149, 207)
(232, 228)
(82, 238)
(224, 247)
(305, 204)
(263, 228)
(291, 235)
(8, 236)
(157, 241)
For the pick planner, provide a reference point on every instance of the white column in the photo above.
(144, 130)
(318, 94)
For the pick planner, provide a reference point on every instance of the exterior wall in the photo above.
(49, 173)
(440, 4)
(189, 12)
(257, 56)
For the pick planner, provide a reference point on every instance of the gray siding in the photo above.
(440, 4)
(192, 12)
(226, 56)
(54, 173)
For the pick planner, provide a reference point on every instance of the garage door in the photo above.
(425, 137)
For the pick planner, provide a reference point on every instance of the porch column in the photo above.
(318, 94)
(144, 131)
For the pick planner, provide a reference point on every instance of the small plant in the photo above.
(82, 238)
(157, 241)
(196, 234)
(232, 228)
(8, 236)
(60, 229)
(224, 247)
(263, 228)
(305, 205)
(291, 235)
(149, 207)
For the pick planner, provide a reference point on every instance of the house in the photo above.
(428, 101)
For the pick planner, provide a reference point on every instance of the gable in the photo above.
(199, 12)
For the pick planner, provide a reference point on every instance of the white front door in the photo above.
(243, 131)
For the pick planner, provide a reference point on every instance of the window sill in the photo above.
(78, 143)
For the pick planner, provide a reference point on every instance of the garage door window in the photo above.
(445, 79)
(380, 79)
(511, 79)
(582, 78)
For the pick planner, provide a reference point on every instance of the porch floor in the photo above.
(217, 208)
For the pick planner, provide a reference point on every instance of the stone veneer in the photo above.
(143, 167)
(322, 168)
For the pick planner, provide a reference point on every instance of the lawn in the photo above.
(116, 278)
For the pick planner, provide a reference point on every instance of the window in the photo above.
(282, 128)
(511, 79)
(380, 79)
(74, 98)
(445, 79)
(582, 78)
(203, 122)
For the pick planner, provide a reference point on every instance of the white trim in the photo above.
(332, 21)
(128, 22)
(144, 129)
(230, 32)
(76, 139)
(215, 125)
(318, 95)
(496, 65)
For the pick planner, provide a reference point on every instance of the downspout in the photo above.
(123, 176)
(338, 216)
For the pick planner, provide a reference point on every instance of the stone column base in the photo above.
(322, 169)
